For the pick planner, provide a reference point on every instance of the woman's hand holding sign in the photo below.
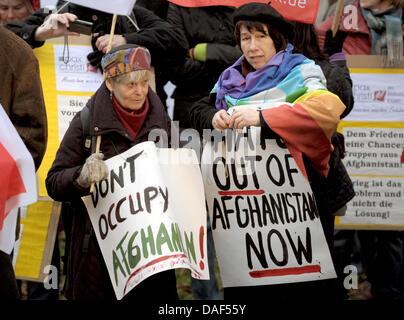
(238, 120)
(221, 120)
(244, 118)
(94, 170)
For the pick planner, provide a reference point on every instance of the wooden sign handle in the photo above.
(111, 36)
(337, 16)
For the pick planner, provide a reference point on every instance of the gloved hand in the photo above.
(332, 44)
(94, 170)
(95, 58)
(199, 52)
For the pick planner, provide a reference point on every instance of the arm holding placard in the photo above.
(61, 181)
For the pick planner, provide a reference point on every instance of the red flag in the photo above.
(12, 183)
(296, 10)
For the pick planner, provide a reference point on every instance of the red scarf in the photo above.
(131, 121)
(36, 5)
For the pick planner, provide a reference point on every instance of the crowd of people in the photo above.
(217, 57)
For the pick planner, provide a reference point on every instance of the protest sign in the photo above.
(296, 10)
(121, 7)
(374, 141)
(149, 215)
(264, 220)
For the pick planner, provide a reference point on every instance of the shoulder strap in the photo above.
(85, 124)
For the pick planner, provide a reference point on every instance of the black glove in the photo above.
(334, 44)
(95, 58)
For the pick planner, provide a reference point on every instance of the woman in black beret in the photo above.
(284, 93)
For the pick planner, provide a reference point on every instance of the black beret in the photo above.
(264, 13)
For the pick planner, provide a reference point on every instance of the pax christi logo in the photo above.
(379, 95)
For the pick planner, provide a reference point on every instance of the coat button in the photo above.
(25, 36)
(96, 129)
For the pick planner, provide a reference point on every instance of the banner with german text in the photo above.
(374, 143)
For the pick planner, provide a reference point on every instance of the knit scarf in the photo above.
(281, 79)
(387, 33)
(132, 122)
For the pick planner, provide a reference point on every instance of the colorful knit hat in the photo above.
(125, 59)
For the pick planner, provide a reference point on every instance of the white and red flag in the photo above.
(17, 177)
(296, 10)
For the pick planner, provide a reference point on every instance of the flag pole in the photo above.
(111, 36)
(337, 16)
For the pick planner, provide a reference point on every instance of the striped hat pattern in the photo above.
(120, 62)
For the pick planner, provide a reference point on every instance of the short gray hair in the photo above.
(134, 76)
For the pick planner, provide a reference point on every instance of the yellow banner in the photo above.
(68, 81)
(34, 234)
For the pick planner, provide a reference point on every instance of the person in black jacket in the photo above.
(338, 189)
(166, 43)
(123, 111)
(212, 48)
(261, 77)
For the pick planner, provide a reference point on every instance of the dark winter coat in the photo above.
(87, 275)
(21, 93)
(22, 99)
(195, 79)
(339, 188)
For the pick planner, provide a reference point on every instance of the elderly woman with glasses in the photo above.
(123, 111)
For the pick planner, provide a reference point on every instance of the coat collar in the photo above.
(104, 118)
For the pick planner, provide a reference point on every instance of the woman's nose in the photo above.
(10, 14)
(253, 44)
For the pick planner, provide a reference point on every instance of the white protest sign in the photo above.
(264, 220)
(121, 7)
(149, 215)
(73, 71)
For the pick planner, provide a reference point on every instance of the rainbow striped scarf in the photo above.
(309, 115)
